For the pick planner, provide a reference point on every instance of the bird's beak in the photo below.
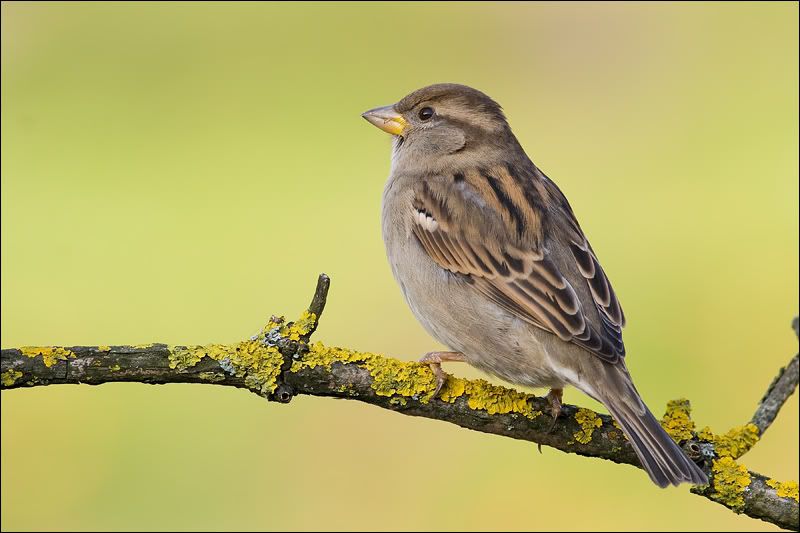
(387, 119)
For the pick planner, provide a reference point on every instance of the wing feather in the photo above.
(520, 271)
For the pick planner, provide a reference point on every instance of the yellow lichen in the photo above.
(324, 356)
(103, 348)
(50, 354)
(213, 377)
(10, 377)
(300, 327)
(730, 480)
(114, 368)
(390, 377)
(677, 421)
(495, 399)
(184, 357)
(452, 389)
(258, 363)
(588, 421)
(257, 360)
(399, 400)
(415, 380)
(785, 489)
(734, 443)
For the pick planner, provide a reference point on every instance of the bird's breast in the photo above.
(452, 311)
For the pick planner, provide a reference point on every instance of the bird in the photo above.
(491, 260)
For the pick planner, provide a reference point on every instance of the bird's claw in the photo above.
(434, 360)
(441, 377)
(555, 396)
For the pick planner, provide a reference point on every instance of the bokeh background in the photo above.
(177, 173)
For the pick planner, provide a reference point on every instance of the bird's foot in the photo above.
(435, 360)
(555, 396)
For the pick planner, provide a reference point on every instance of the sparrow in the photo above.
(492, 261)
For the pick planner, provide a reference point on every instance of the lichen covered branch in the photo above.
(280, 363)
(779, 391)
(781, 388)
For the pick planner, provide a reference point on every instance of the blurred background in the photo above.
(177, 173)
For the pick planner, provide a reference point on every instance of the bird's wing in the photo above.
(512, 234)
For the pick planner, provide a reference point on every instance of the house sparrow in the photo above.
(493, 263)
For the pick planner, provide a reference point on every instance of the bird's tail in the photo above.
(663, 460)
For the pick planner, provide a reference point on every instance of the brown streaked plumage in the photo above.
(492, 261)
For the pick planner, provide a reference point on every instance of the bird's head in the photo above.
(440, 120)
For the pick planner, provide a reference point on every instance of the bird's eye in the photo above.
(425, 113)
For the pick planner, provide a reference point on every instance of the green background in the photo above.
(177, 173)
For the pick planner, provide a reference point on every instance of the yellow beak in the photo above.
(387, 119)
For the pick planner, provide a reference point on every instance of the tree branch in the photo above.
(779, 391)
(280, 363)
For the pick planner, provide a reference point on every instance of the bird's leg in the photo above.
(555, 396)
(435, 360)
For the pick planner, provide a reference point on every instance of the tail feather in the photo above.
(661, 457)
(663, 460)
